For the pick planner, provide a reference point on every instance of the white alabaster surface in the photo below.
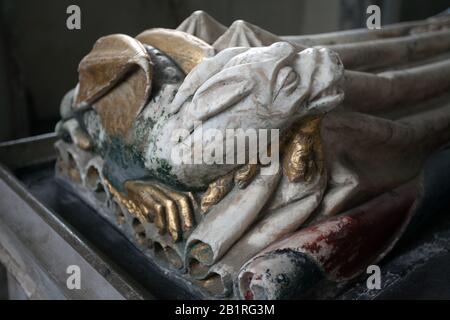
(245, 88)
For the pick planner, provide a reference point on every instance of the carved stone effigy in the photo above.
(358, 114)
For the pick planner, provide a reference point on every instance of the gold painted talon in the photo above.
(304, 159)
(128, 203)
(245, 175)
(216, 192)
(184, 207)
(171, 211)
(222, 186)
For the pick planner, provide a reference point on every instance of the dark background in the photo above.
(39, 55)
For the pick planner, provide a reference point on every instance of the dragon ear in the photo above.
(112, 58)
(203, 26)
(115, 78)
(245, 34)
(185, 49)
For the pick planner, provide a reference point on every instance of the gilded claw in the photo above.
(216, 192)
(171, 211)
(184, 207)
(222, 186)
(303, 159)
(245, 175)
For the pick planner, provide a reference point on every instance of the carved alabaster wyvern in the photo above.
(213, 223)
